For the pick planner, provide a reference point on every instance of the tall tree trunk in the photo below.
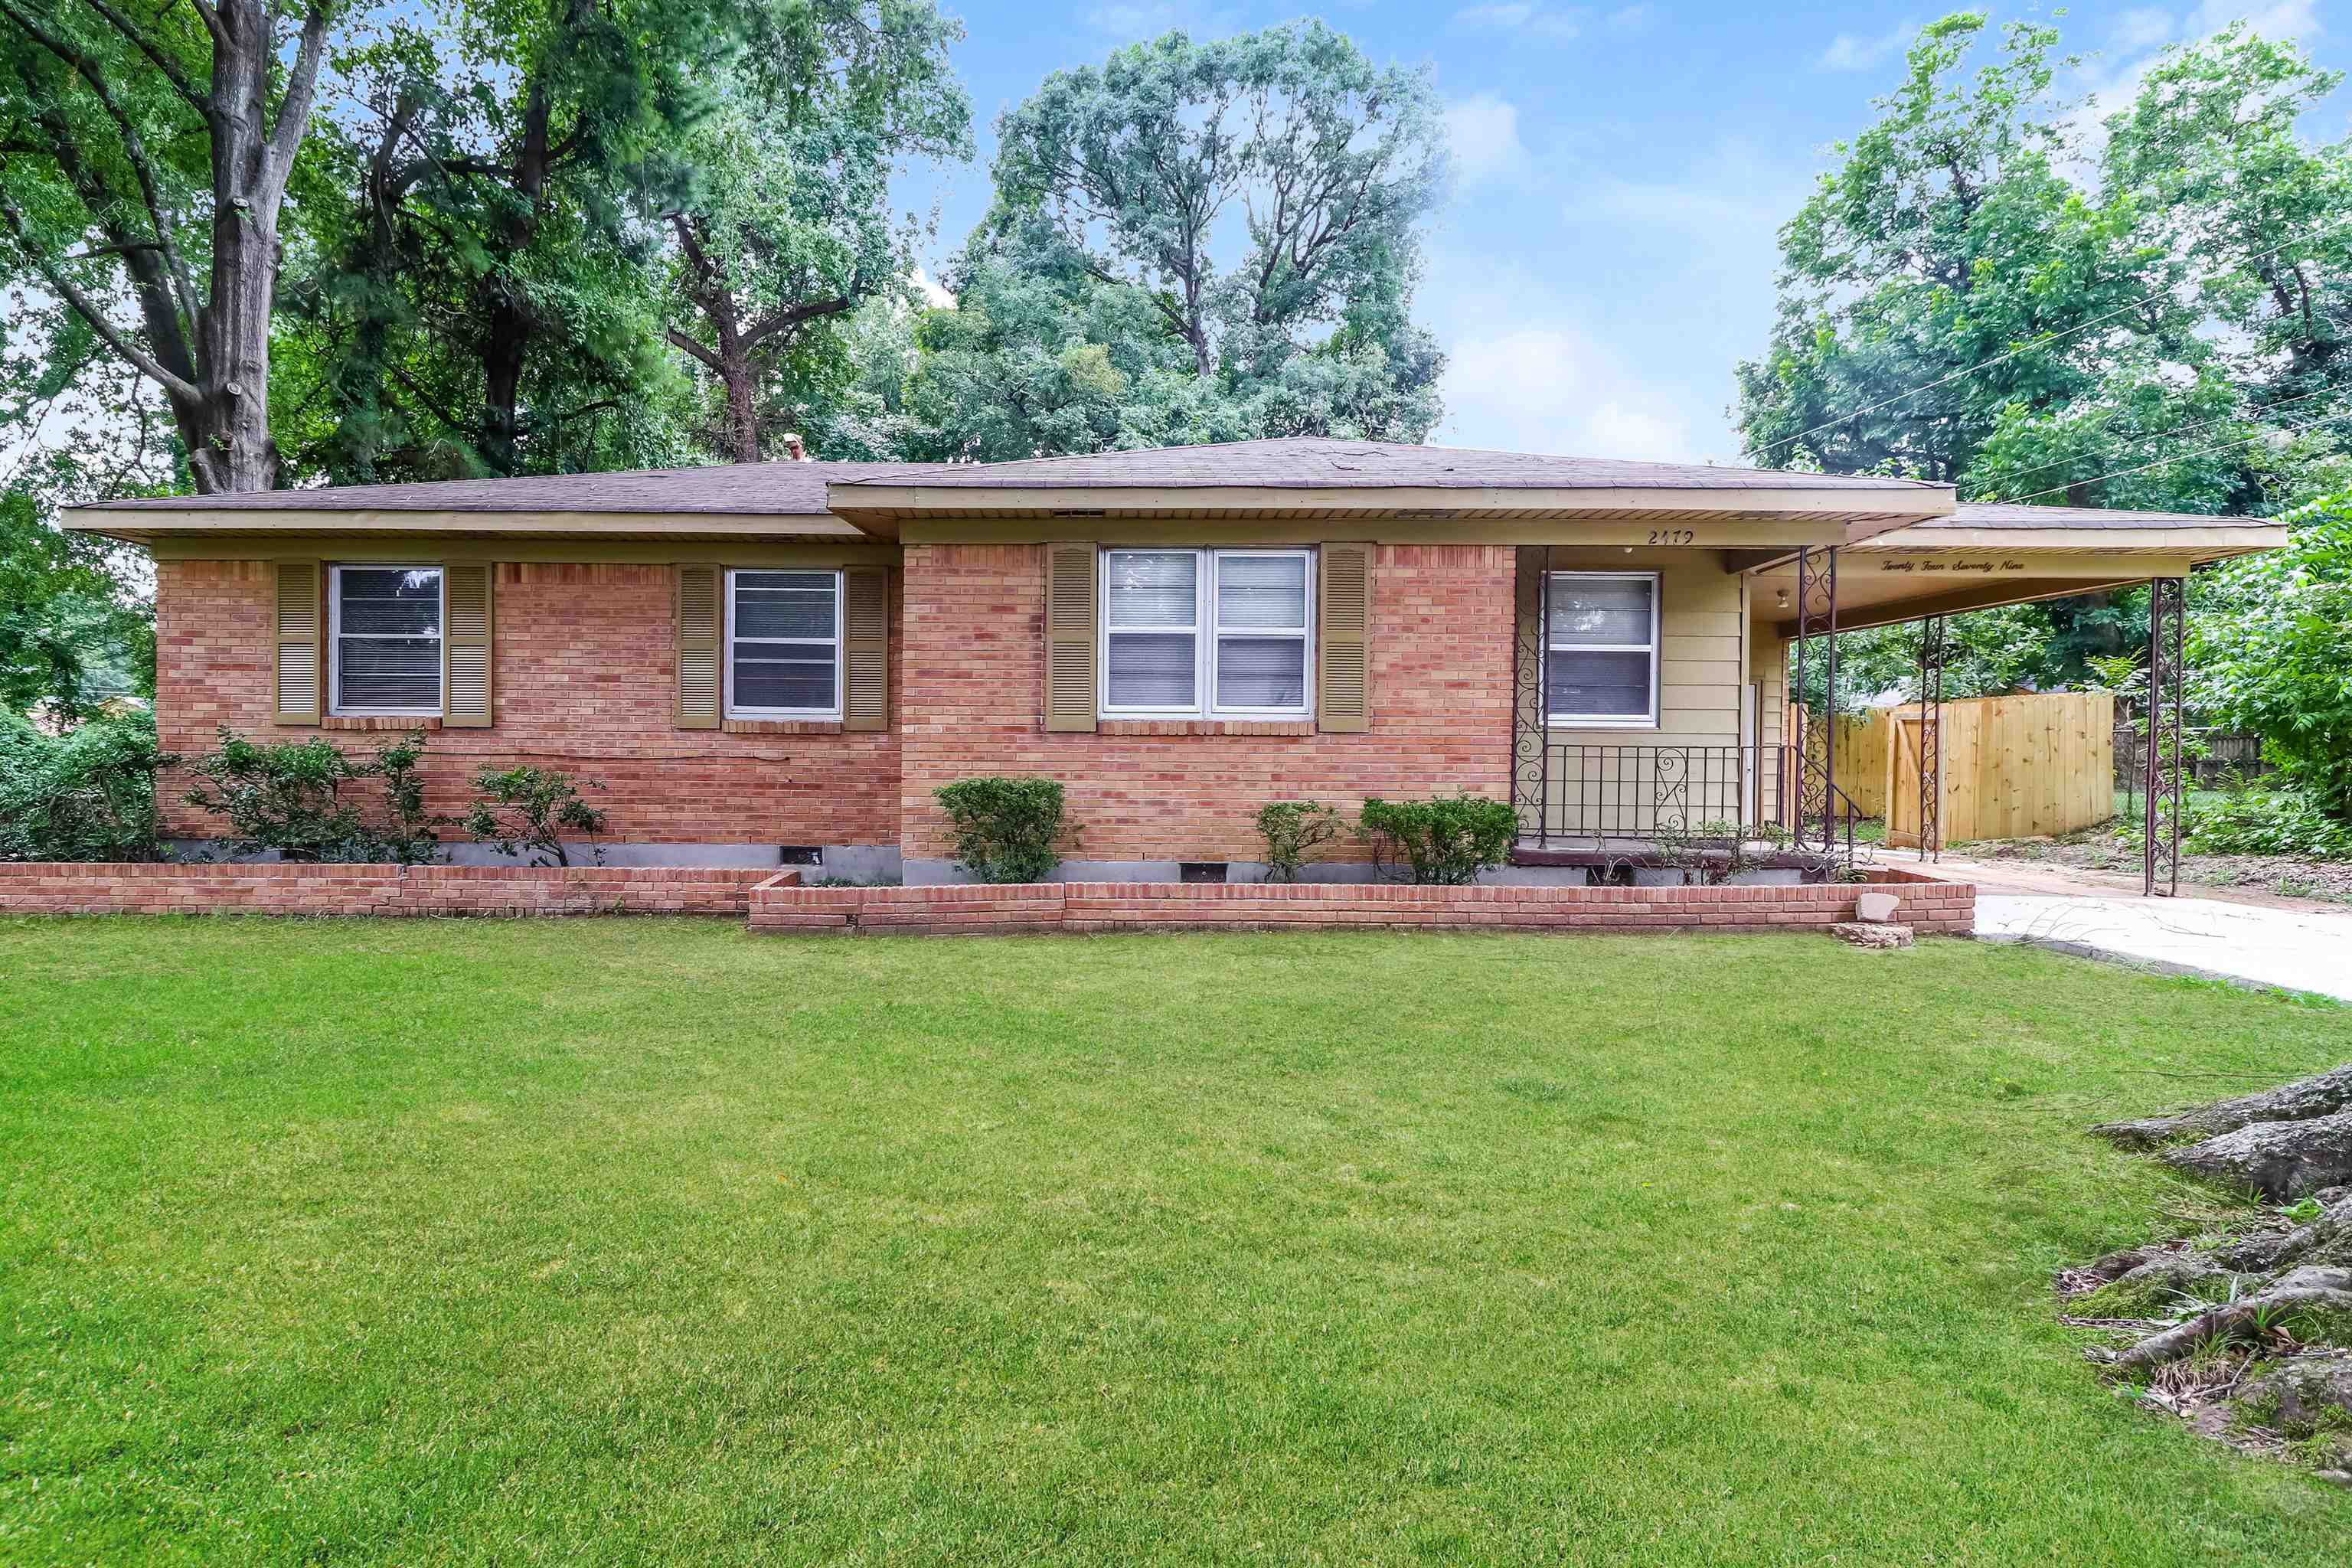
(509, 324)
(209, 354)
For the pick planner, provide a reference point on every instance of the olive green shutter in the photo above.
(1343, 629)
(466, 588)
(700, 621)
(1070, 601)
(301, 691)
(865, 648)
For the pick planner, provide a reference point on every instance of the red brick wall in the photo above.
(1440, 700)
(1939, 907)
(585, 665)
(36, 889)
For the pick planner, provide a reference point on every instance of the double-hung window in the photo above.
(1601, 649)
(1206, 633)
(784, 645)
(385, 640)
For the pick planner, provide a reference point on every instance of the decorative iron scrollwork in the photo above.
(2167, 616)
(1817, 611)
(1931, 737)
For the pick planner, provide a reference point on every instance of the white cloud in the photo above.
(1548, 387)
(1631, 19)
(1484, 134)
(1525, 17)
(2109, 86)
(2142, 30)
(933, 293)
(1848, 52)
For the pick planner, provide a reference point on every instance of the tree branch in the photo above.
(176, 386)
(680, 340)
(155, 55)
(794, 316)
(301, 85)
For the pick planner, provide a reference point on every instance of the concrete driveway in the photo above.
(2299, 950)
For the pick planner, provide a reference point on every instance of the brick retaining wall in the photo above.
(776, 901)
(1928, 907)
(46, 888)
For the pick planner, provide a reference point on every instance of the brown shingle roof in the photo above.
(780, 489)
(2014, 514)
(1315, 462)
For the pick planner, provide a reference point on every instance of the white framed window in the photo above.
(384, 641)
(784, 645)
(1190, 634)
(1601, 649)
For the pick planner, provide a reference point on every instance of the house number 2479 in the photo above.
(1673, 536)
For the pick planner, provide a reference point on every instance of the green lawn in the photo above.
(606, 1241)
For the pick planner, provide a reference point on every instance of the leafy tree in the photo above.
(143, 162)
(1977, 295)
(786, 226)
(70, 637)
(1095, 308)
(2270, 651)
(486, 298)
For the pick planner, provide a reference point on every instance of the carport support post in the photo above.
(2167, 615)
(1931, 737)
(1817, 608)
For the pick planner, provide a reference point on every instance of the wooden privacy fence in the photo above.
(2013, 767)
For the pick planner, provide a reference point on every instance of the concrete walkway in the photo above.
(2295, 948)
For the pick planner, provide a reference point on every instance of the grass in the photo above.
(650, 1241)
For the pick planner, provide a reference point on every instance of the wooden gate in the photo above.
(2013, 767)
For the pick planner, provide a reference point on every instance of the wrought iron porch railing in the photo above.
(1616, 799)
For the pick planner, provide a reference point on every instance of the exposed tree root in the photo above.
(2280, 1160)
(2327, 1289)
(2327, 1093)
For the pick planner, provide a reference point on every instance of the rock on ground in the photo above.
(1867, 933)
(2324, 1095)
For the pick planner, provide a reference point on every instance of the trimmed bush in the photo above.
(87, 794)
(1005, 829)
(288, 797)
(526, 811)
(1291, 828)
(1443, 843)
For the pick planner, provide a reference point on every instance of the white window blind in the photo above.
(1151, 625)
(1600, 661)
(783, 643)
(386, 639)
(1192, 633)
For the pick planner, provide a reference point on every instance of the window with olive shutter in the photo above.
(1343, 640)
(698, 626)
(1070, 637)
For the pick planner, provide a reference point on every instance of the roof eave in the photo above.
(138, 525)
(870, 497)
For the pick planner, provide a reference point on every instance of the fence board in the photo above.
(2013, 767)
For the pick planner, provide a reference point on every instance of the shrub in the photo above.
(2251, 820)
(288, 797)
(2270, 650)
(527, 811)
(1442, 842)
(1291, 828)
(87, 794)
(1004, 827)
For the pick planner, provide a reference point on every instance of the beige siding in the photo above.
(1704, 649)
(1701, 626)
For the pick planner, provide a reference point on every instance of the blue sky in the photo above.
(1609, 252)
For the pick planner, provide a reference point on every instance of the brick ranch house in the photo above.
(778, 663)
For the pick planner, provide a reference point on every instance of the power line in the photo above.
(2042, 341)
(2177, 457)
(2188, 429)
